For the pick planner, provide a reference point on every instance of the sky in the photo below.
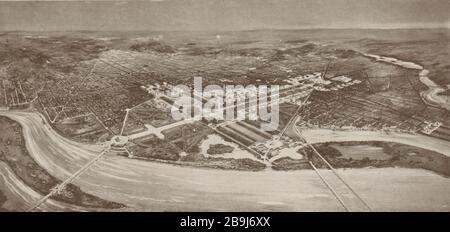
(175, 15)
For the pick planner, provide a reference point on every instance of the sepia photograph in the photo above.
(225, 106)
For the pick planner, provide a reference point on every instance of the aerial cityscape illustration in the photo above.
(87, 116)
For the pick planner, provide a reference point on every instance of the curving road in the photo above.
(153, 186)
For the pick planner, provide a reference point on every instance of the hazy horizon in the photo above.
(245, 30)
(222, 15)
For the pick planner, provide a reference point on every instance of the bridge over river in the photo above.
(151, 186)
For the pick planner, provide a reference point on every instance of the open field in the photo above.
(381, 154)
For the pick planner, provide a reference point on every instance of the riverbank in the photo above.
(154, 186)
(2, 201)
(422, 141)
(378, 154)
(14, 154)
(432, 95)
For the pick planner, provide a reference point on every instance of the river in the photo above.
(151, 186)
(431, 95)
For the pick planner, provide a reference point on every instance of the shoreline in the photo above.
(38, 179)
(316, 139)
(392, 155)
(155, 186)
(212, 166)
(430, 96)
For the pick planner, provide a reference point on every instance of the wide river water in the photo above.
(152, 186)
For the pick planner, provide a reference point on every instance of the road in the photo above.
(158, 130)
(151, 186)
(362, 203)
